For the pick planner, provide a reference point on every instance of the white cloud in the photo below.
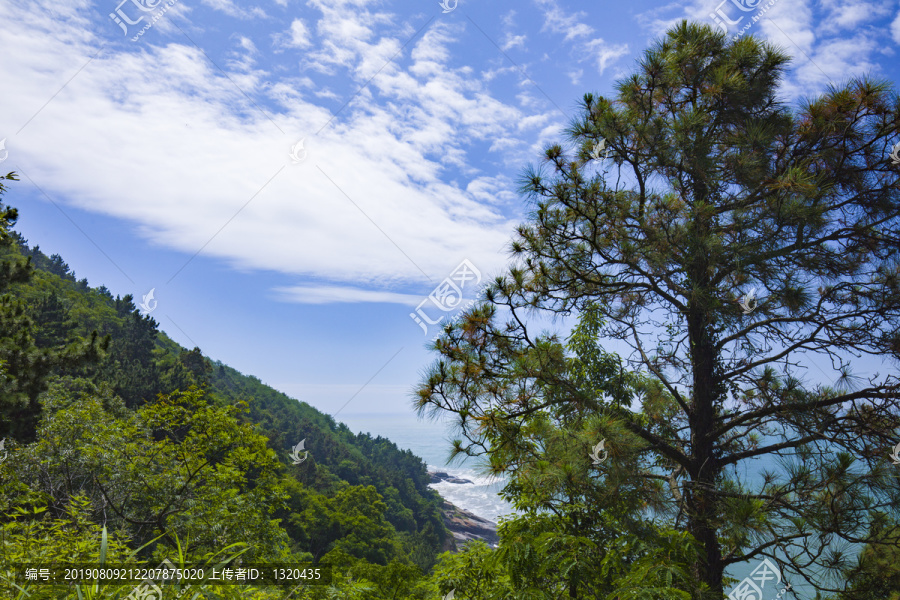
(329, 294)
(510, 38)
(300, 36)
(491, 189)
(850, 14)
(228, 7)
(657, 24)
(167, 143)
(604, 54)
(789, 25)
(557, 21)
(513, 41)
(895, 29)
(835, 60)
(597, 50)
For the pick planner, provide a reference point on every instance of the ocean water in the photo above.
(430, 440)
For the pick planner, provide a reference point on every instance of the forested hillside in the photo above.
(108, 423)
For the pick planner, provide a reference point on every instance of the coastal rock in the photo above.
(439, 476)
(466, 527)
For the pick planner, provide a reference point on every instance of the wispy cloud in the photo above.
(184, 147)
(330, 294)
(895, 28)
(229, 8)
(568, 25)
(579, 34)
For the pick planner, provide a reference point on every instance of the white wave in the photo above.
(481, 497)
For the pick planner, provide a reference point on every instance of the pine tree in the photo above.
(719, 190)
(26, 366)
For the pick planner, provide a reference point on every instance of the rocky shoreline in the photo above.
(463, 525)
(439, 476)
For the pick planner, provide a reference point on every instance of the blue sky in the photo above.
(162, 160)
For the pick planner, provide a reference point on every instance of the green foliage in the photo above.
(336, 455)
(474, 574)
(536, 560)
(130, 365)
(32, 536)
(720, 188)
(877, 576)
(26, 366)
(177, 466)
(179, 457)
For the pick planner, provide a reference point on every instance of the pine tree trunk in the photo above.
(702, 502)
(702, 505)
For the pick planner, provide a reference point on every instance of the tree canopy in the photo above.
(730, 243)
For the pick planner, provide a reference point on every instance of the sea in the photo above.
(431, 441)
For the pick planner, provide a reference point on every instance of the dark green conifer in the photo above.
(714, 188)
